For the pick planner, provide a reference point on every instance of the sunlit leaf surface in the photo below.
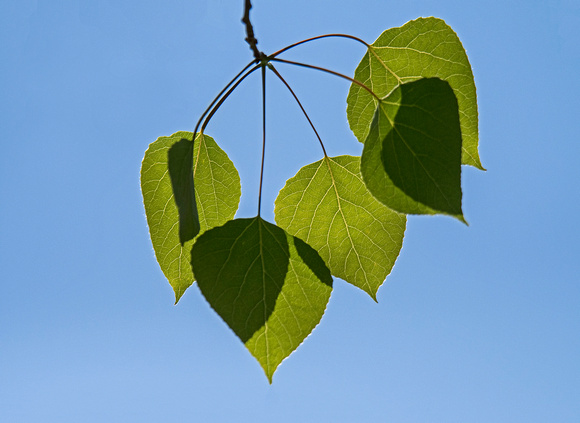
(217, 194)
(425, 47)
(328, 205)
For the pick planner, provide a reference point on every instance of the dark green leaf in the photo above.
(269, 287)
(217, 192)
(328, 205)
(425, 47)
(411, 159)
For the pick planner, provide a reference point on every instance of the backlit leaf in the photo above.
(217, 195)
(328, 205)
(425, 47)
(269, 287)
(411, 159)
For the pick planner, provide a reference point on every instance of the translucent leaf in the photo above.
(411, 159)
(425, 47)
(217, 193)
(328, 205)
(270, 288)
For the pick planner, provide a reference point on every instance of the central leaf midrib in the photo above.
(419, 52)
(372, 48)
(264, 295)
(338, 198)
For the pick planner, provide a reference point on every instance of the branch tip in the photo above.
(250, 37)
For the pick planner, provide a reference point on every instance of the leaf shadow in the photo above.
(313, 260)
(180, 166)
(421, 153)
(241, 268)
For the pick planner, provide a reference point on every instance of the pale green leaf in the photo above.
(270, 288)
(411, 159)
(328, 205)
(217, 193)
(425, 47)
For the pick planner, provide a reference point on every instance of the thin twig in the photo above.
(250, 37)
(302, 108)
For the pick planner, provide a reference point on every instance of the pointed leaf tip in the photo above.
(269, 287)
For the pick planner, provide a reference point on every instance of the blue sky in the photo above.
(475, 324)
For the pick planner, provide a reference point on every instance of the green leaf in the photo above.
(217, 193)
(270, 288)
(425, 47)
(411, 159)
(328, 205)
(180, 165)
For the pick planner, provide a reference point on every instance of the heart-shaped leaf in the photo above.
(328, 205)
(269, 287)
(411, 159)
(217, 195)
(423, 48)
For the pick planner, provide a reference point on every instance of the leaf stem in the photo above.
(226, 95)
(299, 104)
(318, 38)
(218, 105)
(328, 71)
(220, 94)
(263, 137)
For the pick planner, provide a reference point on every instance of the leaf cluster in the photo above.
(412, 103)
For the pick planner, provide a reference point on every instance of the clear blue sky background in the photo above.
(475, 324)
